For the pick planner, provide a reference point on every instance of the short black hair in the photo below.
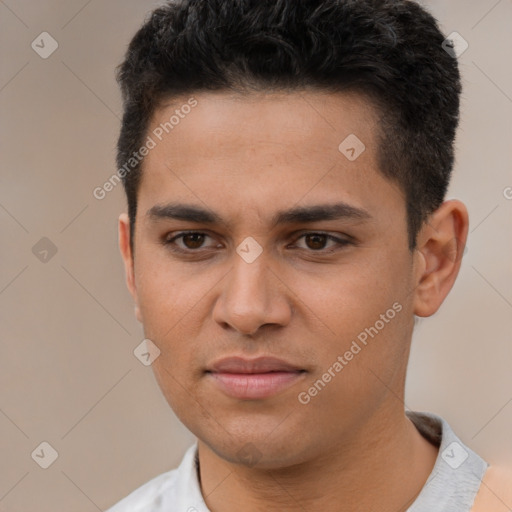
(388, 50)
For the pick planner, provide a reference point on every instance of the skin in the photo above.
(304, 299)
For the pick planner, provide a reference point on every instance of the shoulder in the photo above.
(148, 495)
(495, 493)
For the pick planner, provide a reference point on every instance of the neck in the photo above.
(383, 466)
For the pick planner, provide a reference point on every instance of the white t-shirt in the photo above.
(451, 486)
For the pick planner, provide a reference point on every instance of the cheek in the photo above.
(167, 304)
(352, 296)
(361, 313)
(164, 293)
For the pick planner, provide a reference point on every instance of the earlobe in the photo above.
(138, 316)
(126, 253)
(440, 249)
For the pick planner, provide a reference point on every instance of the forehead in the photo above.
(256, 151)
(298, 122)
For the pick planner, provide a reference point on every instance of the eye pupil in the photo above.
(197, 240)
(318, 241)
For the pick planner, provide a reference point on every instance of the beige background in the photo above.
(68, 375)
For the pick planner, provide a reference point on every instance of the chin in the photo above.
(256, 450)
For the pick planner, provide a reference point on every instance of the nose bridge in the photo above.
(251, 296)
(249, 287)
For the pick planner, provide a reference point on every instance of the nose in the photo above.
(252, 296)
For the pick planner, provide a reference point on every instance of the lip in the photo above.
(253, 379)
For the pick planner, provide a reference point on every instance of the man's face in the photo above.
(305, 299)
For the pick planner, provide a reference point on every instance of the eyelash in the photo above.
(169, 242)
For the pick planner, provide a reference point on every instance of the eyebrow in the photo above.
(297, 215)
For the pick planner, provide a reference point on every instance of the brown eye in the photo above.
(322, 243)
(316, 241)
(193, 240)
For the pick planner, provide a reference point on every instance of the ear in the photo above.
(126, 253)
(439, 250)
